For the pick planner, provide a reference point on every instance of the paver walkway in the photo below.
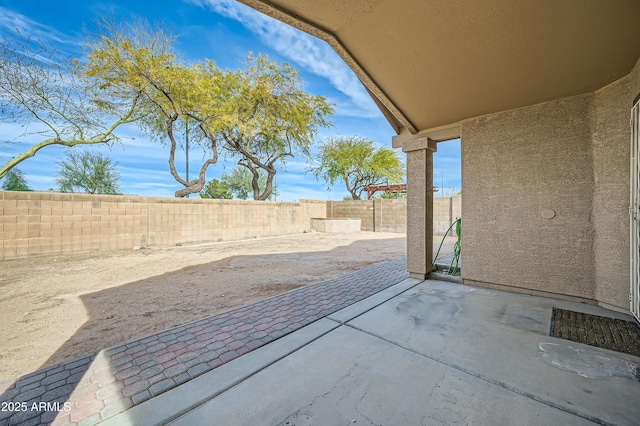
(91, 389)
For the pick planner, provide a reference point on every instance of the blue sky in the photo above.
(225, 31)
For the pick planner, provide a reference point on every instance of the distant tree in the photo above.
(216, 189)
(88, 172)
(15, 181)
(451, 192)
(55, 101)
(392, 195)
(358, 162)
(240, 182)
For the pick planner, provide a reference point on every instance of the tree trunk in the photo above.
(268, 189)
(196, 185)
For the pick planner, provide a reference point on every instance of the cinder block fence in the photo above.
(37, 223)
(41, 223)
(382, 215)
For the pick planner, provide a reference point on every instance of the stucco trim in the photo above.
(417, 144)
(436, 134)
(317, 31)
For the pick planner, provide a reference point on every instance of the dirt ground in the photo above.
(57, 308)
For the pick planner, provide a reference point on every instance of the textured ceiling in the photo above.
(432, 63)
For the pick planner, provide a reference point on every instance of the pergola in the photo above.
(372, 189)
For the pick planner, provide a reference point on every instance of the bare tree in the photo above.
(55, 100)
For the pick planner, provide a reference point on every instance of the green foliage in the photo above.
(136, 60)
(258, 115)
(271, 119)
(240, 183)
(358, 162)
(42, 88)
(216, 189)
(393, 195)
(15, 181)
(88, 172)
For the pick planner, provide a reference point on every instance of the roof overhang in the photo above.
(429, 64)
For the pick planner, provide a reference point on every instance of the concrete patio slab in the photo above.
(356, 349)
(503, 338)
(434, 353)
(170, 405)
(350, 312)
(349, 377)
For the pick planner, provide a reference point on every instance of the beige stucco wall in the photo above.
(515, 165)
(35, 223)
(570, 156)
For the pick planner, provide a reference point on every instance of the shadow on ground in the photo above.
(158, 303)
(172, 299)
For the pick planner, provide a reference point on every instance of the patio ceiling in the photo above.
(432, 63)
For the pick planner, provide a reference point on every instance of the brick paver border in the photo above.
(91, 389)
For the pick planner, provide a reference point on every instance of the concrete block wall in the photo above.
(445, 211)
(383, 215)
(390, 215)
(38, 223)
(353, 209)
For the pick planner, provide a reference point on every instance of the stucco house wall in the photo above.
(568, 159)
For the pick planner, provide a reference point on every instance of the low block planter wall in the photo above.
(335, 225)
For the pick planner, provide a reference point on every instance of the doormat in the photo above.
(603, 332)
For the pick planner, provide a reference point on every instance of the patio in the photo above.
(419, 352)
(371, 347)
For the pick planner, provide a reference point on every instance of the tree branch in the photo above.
(103, 137)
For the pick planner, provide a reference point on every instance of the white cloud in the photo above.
(310, 53)
(10, 21)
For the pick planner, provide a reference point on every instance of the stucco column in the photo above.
(419, 206)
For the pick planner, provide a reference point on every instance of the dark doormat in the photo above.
(608, 333)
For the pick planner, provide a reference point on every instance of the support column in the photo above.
(420, 206)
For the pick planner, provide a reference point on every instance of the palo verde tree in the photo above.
(55, 101)
(358, 162)
(258, 116)
(178, 99)
(272, 119)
